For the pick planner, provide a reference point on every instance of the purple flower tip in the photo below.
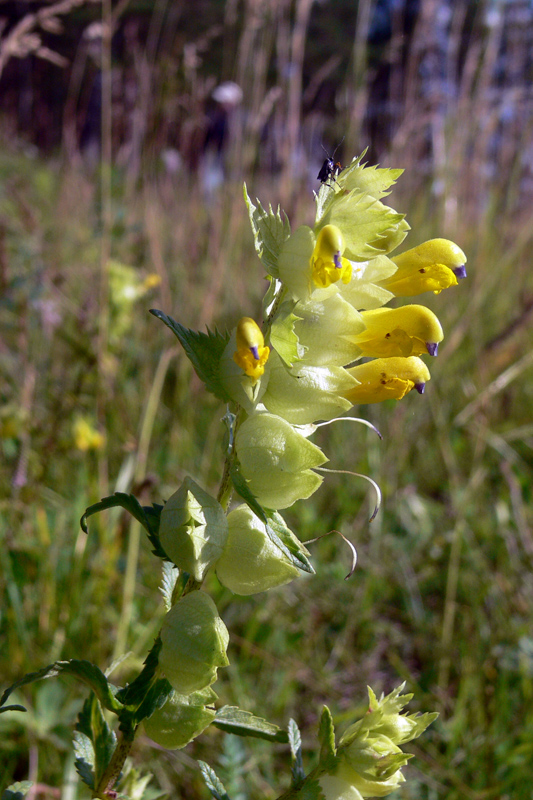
(460, 272)
(255, 352)
(420, 387)
(337, 260)
(432, 348)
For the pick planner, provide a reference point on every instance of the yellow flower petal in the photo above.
(385, 378)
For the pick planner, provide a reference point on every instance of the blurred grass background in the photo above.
(98, 224)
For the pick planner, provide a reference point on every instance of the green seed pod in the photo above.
(193, 529)
(251, 562)
(276, 459)
(194, 642)
(181, 719)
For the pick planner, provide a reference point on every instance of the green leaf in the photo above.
(270, 231)
(95, 743)
(242, 723)
(133, 693)
(365, 223)
(15, 707)
(146, 693)
(84, 671)
(283, 336)
(204, 350)
(285, 539)
(148, 516)
(213, 783)
(326, 737)
(168, 583)
(375, 181)
(295, 743)
(84, 758)
(17, 790)
(155, 698)
(241, 487)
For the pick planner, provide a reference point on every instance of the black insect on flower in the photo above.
(330, 168)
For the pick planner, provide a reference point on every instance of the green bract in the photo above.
(276, 460)
(327, 331)
(194, 642)
(251, 562)
(193, 529)
(305, 394)
(181, 719)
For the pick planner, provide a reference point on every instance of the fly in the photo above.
(330, 168)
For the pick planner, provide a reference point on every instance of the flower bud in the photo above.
(194, 642)
(407, 331)
(276, 459)
(193, 529)
(251, 562)
(251, 354)
(181, 719)
(432, 266)
(386, 378)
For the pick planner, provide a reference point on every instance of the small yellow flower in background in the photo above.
(385, 378)
(252, 353)
(432, 266)
(327, 263)
(151, 281)
(407, 331)
(86, 437)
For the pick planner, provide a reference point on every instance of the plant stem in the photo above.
(105, 788)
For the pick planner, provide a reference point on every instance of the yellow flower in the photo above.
(252, 353)
(432, 266)
(385, 378)
(407, 331)
(327, 263)
(86, 437)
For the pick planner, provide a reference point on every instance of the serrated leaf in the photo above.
(204, 351)
(311, 790)
(155, 698)
(283, 336)
(295, 743)
(233, 719)
(88, 673)
(270, 230)
(84, 761)
(17, 790)
(326, 737)
(364, 221)
(45, 672)
(94, 678)
(148, 516)
(375, 181)
(94, 754)
(213, 782)
(133, 693)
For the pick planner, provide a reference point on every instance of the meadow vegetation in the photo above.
(96, 397)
